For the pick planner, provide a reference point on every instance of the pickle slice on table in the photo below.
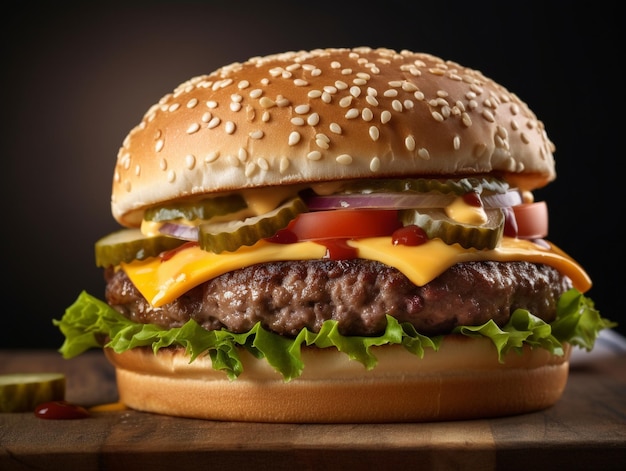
(437, 224)
(127, 245)
(203, 209)
(229, 236)
(23, 392)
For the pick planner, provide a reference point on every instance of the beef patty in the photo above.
(288, 296)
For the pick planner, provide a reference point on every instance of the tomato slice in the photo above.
(344, 224)
(532, 220)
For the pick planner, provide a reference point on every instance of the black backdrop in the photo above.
(75, 80)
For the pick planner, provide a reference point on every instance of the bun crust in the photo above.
(463, 380)
(325, 115)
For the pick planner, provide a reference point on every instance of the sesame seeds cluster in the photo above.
(324, 115)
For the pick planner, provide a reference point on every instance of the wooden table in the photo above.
(586, 430)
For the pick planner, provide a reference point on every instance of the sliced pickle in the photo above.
(127, 245)
(203, 209)
(229, 236)
(22, 392)
(424, 185)
(437, 224)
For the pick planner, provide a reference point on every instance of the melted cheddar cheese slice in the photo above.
(162, 281)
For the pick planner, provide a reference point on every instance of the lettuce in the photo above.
(91, 323)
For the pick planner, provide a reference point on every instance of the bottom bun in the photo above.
(462, 380)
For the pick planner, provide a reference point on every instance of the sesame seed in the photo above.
(250, 169)
(514, 125)
(371, 100)
(297, 121)
(409, 143)
(396, 105)
(488, 116)
(195, 127)
(314, 94)
(313, 119)
(374, 133)
(345, 101)
(256, 93)
(159, 145)
(375, 164)
(229, 127)
(300, 83)
(263, 164)
(284, 165)
(282, 101)
(341, 85)
(390, 93)
(214, 122)
(265, 117)
(330, 89)
(423, 154)
(211, 157)
(467, 121)
(211, 104)
(242, 155)
(322, 141)
(294, 138)
(173, 107)
(267, 102)
(524, 138)
(335, 128)
(137, 169)
(236, 97)
(243, 84)
(344, 159)
(190, 161)
(314, 155)
(456, 142)
(385, 117)
(326, 97)
(437, 116)
(258, 134)
(302, 109)
(206, 117)
(355, 91)
(234, 106)
(171, 176)
(367, 114)
(352, 113)
(192, 103)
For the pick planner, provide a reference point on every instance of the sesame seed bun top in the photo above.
(324, 115)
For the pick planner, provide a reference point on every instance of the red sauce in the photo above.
(60, 410)
(283, 236)
(472, 198)
(165, 256)
(409, 235)
(338, 249)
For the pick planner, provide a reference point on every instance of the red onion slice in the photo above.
(180, 231)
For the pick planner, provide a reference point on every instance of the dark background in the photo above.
(76, 79)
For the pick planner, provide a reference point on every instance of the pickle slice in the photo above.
(127, 245)
(424, 185)
(203, 209)
(229, 236)
(436, 223)
(23, 392)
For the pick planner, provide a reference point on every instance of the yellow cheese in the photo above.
(160, 282)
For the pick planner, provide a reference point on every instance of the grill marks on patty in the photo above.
(288, 296)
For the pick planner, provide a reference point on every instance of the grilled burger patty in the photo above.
(288, 296)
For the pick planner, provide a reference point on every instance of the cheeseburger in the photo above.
(336, 235)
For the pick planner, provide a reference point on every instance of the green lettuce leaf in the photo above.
(91, 323)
